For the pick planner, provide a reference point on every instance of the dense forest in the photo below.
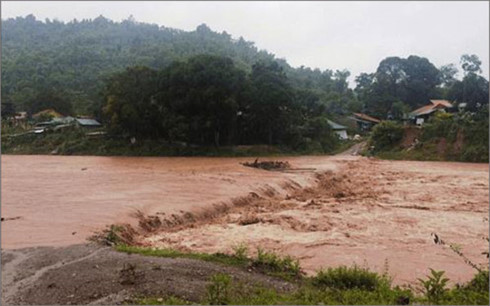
(207, 88)
(74, 59)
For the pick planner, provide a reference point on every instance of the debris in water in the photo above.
(268, 165)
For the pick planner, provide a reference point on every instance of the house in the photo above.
(88, 123)
(420, 115)
(20, 116)
(365, 122)
(338, 129)
(20, 119)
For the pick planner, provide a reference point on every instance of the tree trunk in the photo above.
(216, 138)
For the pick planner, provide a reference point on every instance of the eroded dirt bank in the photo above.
(379, 214)
(61, 200)
(89, 274)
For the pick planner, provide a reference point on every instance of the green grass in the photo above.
(333, 286)
(349, 278)
(221, 258)
(266, 262)
(222, 290)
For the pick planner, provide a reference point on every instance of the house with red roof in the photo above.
(421, 114)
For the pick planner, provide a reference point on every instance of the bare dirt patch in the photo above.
(89, 274)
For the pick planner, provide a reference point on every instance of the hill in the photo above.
(76, 58)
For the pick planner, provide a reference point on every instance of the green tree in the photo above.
(470, 63)
(205, 91)
(130, 105)
(272, 104)
(49, 99)
(422, 77)
(8, 110)
(448, 73)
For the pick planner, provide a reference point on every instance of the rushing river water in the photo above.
(60, 200)
(366, 211)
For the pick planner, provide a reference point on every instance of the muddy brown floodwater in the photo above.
(61, 200)
(347, 210)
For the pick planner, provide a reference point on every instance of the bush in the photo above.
(475, 292)
(441, 125)
(219, 289)
(271, 263)
(435, 286)
(349, 278)
(386, 134)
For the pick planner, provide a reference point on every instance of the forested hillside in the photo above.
(204, 88)
(74, 59)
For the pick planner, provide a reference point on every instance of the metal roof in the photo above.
(366, 117)
(336, 126)
(445, 103)
(430, 108)
(88, 122)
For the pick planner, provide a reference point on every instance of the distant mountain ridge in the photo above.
(75, 57)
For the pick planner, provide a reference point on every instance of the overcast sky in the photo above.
(334, 35)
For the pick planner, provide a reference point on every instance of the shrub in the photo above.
(349, 278)
(386, 134)
(475, 292)
(219, 289)
(286, 267)
(441, 125)
(241, 251)
(435, 286)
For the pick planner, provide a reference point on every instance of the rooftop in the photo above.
(430, 108)
(88, 122)
(336, 126)
(366, 117)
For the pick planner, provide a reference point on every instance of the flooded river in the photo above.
(364, 211)
(60, 200)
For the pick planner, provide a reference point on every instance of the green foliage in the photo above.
(399, 110)
(386, 134)
(440, 125)
(171, 253)
(207, 100)
(77, 57)
(129, 102)
(475, 292)
(49, 99)
(112, 235)
(349, 278)
(8, 110)
(219, 289)
(411, 80)
(266, 262)
(459, 137)
(435, 286)
(334, 286)
(241, 251)
(480, 282)
(287, 267)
